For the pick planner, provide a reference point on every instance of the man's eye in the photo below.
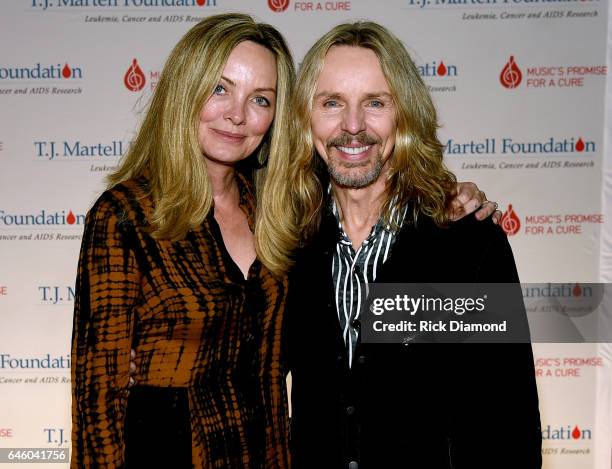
(219, 89)
(376, 103)
(330, 103)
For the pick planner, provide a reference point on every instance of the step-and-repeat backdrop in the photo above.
(521, 90)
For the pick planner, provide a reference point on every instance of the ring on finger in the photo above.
(495, 205)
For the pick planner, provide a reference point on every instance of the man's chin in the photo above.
(352, 180)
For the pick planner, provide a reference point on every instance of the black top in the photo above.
(460, 406)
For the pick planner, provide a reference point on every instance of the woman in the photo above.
(168, 266)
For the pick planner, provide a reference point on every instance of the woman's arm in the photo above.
(272, 378)
(467, 199)
(108, 283)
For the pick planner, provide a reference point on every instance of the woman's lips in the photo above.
(229, 136)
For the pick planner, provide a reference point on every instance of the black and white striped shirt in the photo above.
(352, 270)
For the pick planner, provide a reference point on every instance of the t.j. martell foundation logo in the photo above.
(278, 5)
(511, 76)
(41, 72)
(565, 432)
(134, 78)
(510, 222)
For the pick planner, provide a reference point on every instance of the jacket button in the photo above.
(361, 359)
(353, 465)
(340, 358)
(350, 410)
(356, 323)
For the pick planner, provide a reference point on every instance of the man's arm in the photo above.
(495, 418)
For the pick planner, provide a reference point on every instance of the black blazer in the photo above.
(422, 406)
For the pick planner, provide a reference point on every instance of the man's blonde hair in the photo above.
(416, 174)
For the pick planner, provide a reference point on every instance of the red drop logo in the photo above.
(510, 222)
(278, 5)
(576, 433)
(70, 219)
(580, 145)
(577, 290)
(511, 75)
(441, 69)
(134, 78)
(66, 71)
(201, 2)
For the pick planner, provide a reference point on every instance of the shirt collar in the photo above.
(398, 213)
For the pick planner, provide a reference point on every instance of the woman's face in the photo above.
(238, 114)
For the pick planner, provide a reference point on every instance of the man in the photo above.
(374, 204)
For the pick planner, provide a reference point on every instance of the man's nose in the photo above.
(353, 120)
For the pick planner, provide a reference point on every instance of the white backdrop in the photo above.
(521, 90)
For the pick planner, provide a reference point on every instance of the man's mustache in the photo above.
(346, 138)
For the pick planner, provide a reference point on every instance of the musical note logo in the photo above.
(134, 78)
(278, 5)
(510, 222)
(511, 75)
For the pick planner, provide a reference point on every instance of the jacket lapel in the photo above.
(329, 236)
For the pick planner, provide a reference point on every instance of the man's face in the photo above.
(353, 117)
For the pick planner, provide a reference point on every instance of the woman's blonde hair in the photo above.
(166, 148)
(417, 173)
